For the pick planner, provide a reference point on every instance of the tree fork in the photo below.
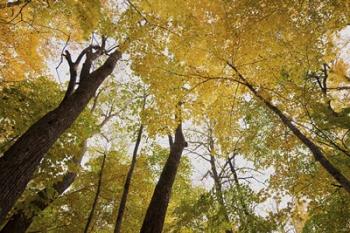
(19, 162)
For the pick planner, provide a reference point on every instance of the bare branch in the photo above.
(73, 75)
(61, 60)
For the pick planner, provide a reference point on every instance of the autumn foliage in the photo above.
(174, 116)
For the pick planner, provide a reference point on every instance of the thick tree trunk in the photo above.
(315, 150)
(98, 190)
(155, 215)
(21, 220)
(122, 204)
(19, 162)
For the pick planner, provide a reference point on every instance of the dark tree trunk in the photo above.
(98, 190)
(22, 219)
(155, 215)
(127, 183)
(19, 162)
(315, 150)
(20, 222)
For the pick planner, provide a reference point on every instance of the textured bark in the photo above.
(315, 150)
(19, 162)
(21, 220)
(98, 190)
(155, 215)
(127, 183)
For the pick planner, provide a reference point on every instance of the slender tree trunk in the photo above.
(22, 219)
(121, 209)
(218, 192)
(155, 215)
(218, 186)
(315, 150)
(217, 183)
(238, 185)
(98, 190)
(19, 162)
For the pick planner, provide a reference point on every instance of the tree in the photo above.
(21, 220)
(122, 204)
(231, 203)
(316, 151)
(264, 82)
(28, 28)
(70, 211)
(97, 194)
(209, 154)
(291, 47)
(155, 215)
(20, 161)
(22, 104)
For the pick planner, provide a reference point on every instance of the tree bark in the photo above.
(127, 183)
(98, 190)
(155, 215)
(19, 162)
(315, 150)
(21, 220)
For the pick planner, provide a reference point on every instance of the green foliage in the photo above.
(330, 214)
(25, 102)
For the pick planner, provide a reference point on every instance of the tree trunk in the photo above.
(98, 190)
(21, 220)
(238, 186)
(19, 162)
(155, 215)
(127, 183)
(217, 183)
(315, 150)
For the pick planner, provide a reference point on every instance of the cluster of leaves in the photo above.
(30, 32)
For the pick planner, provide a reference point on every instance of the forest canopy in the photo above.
(188, 116)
